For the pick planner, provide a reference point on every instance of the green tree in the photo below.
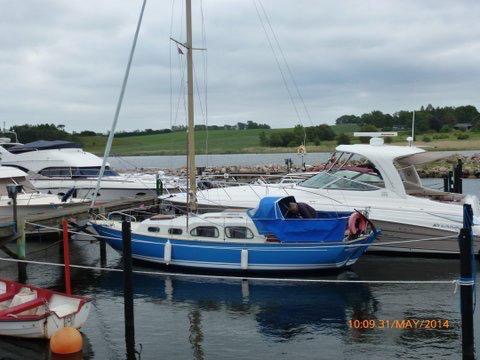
(343, 139)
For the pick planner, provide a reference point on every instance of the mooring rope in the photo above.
(232, 277)
(320, 246)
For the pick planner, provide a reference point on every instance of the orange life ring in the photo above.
(357, 223)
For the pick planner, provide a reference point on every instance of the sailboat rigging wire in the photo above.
(119, 106)
(205, 77)
(171, 77)
(282, 54)
(277, 61)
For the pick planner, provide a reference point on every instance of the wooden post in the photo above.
(457, 177)
(128, 289)
(103, 252)
(450, 181)
(466, 283)
(66, 257)
(22, 267)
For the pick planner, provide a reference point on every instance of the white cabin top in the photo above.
(7, 172)
(38, 160)
(394, 163)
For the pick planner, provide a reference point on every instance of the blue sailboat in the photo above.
(267, 238)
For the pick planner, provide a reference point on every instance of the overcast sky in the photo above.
(62, 62)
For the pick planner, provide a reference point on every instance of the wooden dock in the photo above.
(80, 214)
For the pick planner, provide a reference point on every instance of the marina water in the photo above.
(199, 318)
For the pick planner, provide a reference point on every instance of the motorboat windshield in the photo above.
(346, 171)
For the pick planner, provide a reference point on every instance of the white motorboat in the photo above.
(387, 185)
(55, 167)
(29, 200)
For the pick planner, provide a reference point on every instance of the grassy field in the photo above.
(247, 141)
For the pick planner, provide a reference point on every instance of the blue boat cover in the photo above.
(270, 218)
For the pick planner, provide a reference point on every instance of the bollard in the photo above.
(128, 289)
(66, 257)
(466, 283)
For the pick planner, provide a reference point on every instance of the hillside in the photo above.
(219, 142)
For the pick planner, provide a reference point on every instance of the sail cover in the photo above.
(271, 218)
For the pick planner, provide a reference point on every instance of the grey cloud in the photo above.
(63, 62)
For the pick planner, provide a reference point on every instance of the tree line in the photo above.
(28, 133)
(299, 135)
(428, 118)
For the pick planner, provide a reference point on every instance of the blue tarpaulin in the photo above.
(270, 218)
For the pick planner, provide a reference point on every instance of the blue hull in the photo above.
(223, 255)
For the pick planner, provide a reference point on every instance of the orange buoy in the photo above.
(67, 340)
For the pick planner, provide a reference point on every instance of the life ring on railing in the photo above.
(357, 223)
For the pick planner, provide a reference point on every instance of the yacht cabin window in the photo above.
(205, 231)
(76, 172)
(175, 231)
(238, 232)
(345, 171)
(153, 229)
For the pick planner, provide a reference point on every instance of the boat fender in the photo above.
(167, 252)
(357, 223)
(244, 259)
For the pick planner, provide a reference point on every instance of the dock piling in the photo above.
(128, 289)
(457, 177)
(66, 257)
(19, 228)
(22, 267)
(467, 282)
(103, 252)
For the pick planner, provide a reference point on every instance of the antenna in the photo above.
(413, 125)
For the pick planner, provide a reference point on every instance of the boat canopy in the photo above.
(44, 145)
(383, 157)
(271, 218)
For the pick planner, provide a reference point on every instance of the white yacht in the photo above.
(29, 200)
(55, 167)
(379, 178)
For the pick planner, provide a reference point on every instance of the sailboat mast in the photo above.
(191, 168)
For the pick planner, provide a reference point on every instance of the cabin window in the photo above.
(76, 172)
(155, 229)
(205, 231)
(56, 172)
(238, 232)
(175, 231)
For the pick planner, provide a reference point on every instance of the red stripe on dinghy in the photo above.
(7, 296)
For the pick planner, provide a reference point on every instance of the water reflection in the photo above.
(282, 311)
